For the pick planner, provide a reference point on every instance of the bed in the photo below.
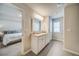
(11, 37)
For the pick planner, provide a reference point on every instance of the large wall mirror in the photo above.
(36, 25)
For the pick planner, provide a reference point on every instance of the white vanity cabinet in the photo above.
(38, 42)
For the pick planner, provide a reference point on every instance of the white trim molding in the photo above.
(71, 51)
(24, 53)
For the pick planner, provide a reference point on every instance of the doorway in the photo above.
(10, 29)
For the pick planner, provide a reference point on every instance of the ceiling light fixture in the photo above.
(60, 4)
(38, 17)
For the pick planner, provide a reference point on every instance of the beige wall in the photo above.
(71, 30)
(27, 14)
(45, 24)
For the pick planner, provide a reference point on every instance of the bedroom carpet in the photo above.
(1, 46)
(11, 50)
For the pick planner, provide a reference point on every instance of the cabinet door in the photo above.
(40, 44)
(34, 45)
(44, 41)
(47, 39)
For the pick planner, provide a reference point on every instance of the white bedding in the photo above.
(11, 37)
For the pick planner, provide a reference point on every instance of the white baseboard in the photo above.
(58, 40)
(26, 52)
(71, 51)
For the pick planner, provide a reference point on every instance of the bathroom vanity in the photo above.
(39, 41)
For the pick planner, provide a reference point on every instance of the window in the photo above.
(56, 26)
(36, 25)
(50, 25)
(10, 18)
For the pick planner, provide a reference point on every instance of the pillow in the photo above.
(9, 32)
